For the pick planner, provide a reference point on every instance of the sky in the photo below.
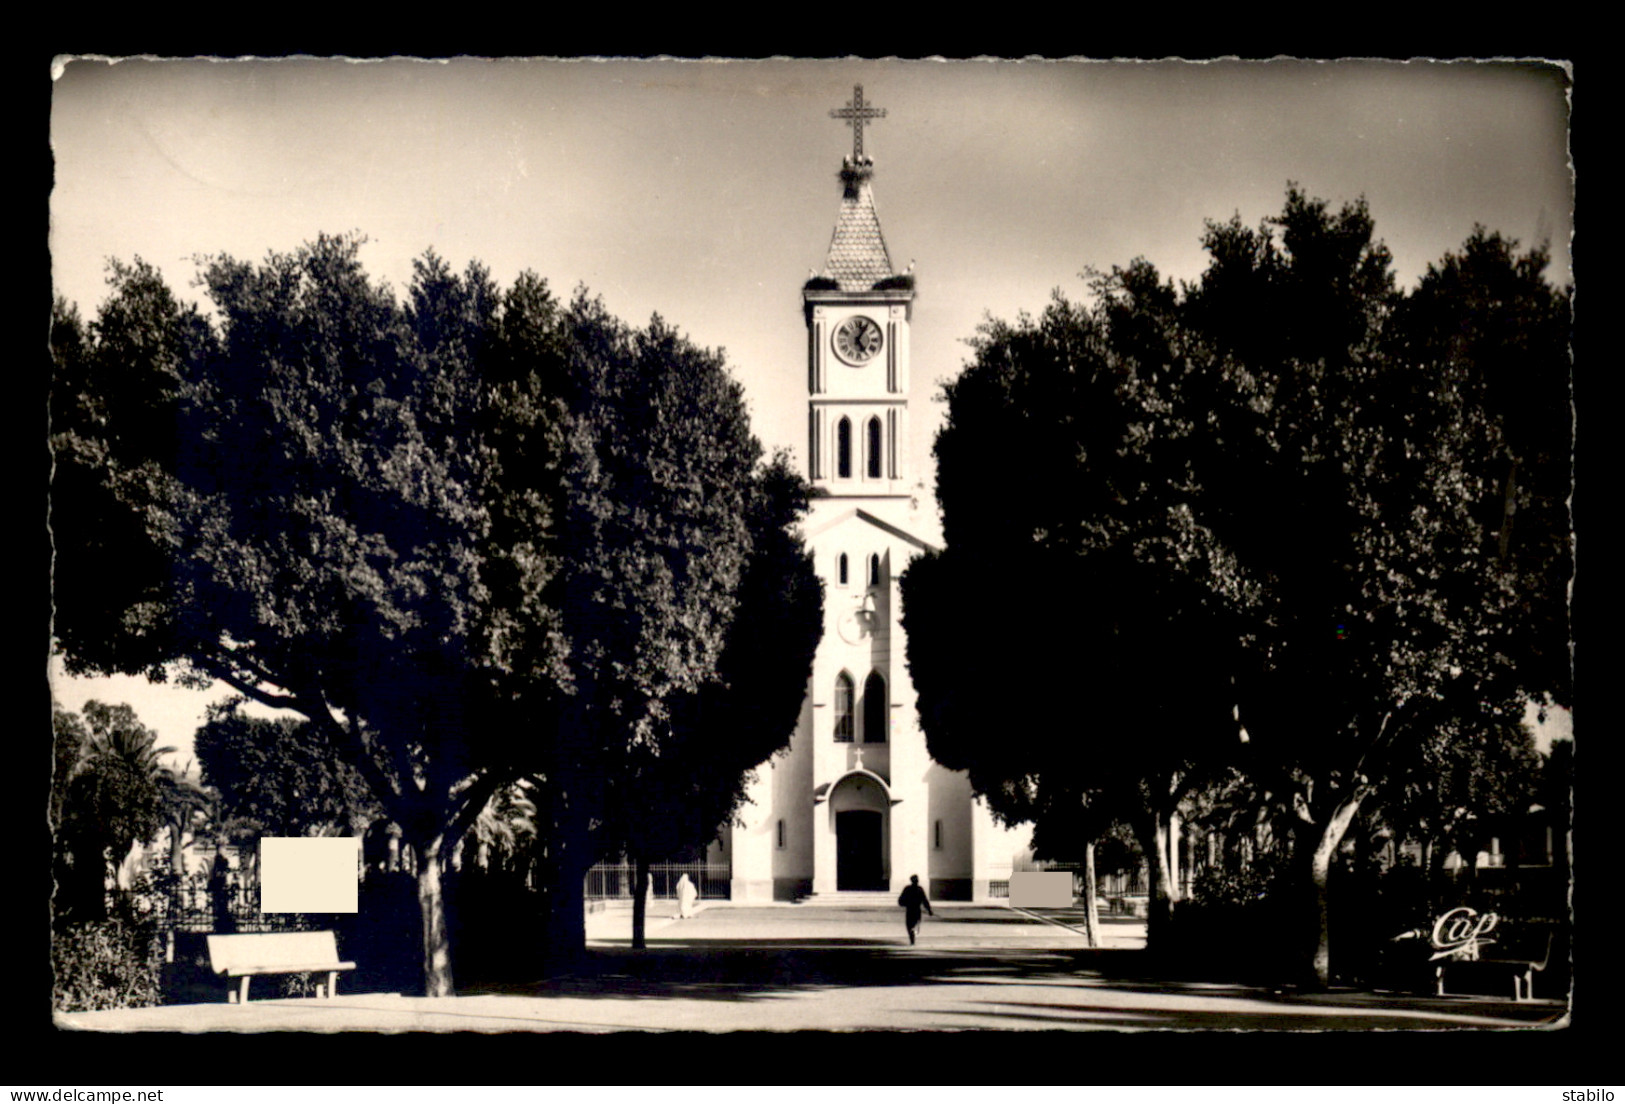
(706, 191)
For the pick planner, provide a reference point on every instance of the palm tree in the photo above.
(116, 734)
(120, 742)
(111, 795)
(504, 834)
(184, 801)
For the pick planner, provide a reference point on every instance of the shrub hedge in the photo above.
(111, 963)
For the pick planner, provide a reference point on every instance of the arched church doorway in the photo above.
(857, 850)
(860, 805)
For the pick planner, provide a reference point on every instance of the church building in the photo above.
(855, 804)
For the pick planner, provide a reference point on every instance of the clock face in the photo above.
(858, 339)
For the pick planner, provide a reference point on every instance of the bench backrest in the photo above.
(272, 949)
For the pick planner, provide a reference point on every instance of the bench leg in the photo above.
(332, 985)
(242, 997)
(1438, 973)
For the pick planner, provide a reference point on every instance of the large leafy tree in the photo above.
(675, 792)
(294, 499)
(1488, 315)
(679, 575)
(1391, 617)
(1273, 516)
(1065, 459)
(473, 538)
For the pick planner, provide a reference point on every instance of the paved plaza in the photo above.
(807, 967)
(954, 925)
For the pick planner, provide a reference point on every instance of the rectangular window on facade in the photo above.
(936, 835)
(781, 835)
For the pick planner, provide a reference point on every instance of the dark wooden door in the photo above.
(857, 850)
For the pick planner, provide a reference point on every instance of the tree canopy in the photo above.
(1272, 515)
(295, 486)
(689, 607)
(473, 536)
(1068, 456)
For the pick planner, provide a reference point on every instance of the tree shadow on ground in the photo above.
(758, 969)
(754, 970)
(1300, 1015)
(949, 918)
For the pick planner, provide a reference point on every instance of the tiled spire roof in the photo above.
(857, 252)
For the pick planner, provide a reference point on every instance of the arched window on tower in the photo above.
(874, 709)
(874, 448)
(843, 708)
(874, 570)
(843, 448)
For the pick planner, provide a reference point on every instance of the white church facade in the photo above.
(855, 804)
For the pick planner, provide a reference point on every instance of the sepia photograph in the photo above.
(608, 545)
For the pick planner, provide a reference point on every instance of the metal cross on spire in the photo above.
(856, 114)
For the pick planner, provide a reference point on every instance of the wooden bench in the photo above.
(241, 957)
(1523, 967)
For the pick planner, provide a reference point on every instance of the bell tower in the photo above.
(857, 311)
(855, 805)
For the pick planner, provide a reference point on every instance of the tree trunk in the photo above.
(1178, 858)
(431, 867)
(1091, 920)
(640, 901)
(1163, 892)
(566, 911)
(1320, 867)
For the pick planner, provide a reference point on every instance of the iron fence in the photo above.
(197, 904)
(1121, 883)
(613, 881)
(1118, 883)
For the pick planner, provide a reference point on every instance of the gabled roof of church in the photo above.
(865, 516)
(857, 252)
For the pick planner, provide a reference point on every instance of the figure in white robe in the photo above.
(686, 894)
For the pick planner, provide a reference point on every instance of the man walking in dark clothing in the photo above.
(913, 900)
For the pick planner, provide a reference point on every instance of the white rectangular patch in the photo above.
(309, 873)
